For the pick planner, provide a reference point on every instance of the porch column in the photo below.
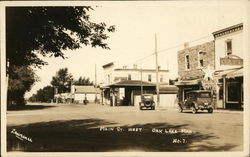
(224, 92)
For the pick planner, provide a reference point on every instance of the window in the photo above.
(228, 47)
(233, 92)
(187, 62)
(161, 78)
(149, 78)
(129, 76)
(200, 59)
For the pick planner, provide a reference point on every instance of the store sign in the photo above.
(231, 61)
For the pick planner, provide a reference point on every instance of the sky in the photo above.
(138, 24)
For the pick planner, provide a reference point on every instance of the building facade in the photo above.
(123, 86)
(194, 65)
(229, 66)
(217, 66)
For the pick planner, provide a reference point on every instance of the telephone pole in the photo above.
(95, 85)
(141, 84)
(157, 72)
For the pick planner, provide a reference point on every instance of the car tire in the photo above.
(194, 110)
(180, 109)
(210, 110)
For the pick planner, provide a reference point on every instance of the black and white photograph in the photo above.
(125, 78)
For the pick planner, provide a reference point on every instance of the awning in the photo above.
(187, 82)
(230, 73)
(132, 83)
(169, 89)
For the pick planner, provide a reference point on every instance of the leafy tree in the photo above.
(83, 81)
(43, 95)
(20, 80)
(48, 31)
(62, 81)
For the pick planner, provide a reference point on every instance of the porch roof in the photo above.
(229, 73)
(187, 82)
(131, 83)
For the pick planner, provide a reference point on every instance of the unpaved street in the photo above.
(95, 128)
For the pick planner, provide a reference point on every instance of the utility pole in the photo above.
(157, 72)
(141, 84)
(95, 85)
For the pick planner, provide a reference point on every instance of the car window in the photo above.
(147, 96)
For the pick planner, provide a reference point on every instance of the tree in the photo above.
(43, 95)
(48, 31)
(83, 81)
(62, 81)
(21, 80)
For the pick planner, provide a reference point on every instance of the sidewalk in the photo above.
(215, 110)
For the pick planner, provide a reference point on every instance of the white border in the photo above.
(246, 44)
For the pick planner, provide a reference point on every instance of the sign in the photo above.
(231, 61)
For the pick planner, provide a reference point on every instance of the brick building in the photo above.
(192, 64)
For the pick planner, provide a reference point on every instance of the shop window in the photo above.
(149, 78)
(220, 92)
(187, 62)
(242, 93)
(228, 47)
(233, 92)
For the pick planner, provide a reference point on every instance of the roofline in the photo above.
(224, 30)
(212, 41)
(109, 64)
(144, 70)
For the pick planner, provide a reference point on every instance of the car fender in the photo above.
(195, 104)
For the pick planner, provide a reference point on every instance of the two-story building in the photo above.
(229, 66)
(194, 65)
(122, 86)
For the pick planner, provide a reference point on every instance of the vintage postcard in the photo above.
(125, 78)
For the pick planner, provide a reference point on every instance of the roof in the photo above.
(187, 82)
(86, 89)
(107, 65)
(127, 83)
(230, 73)
(143, 70)
(228, 30)
(198, 91)
(168, 89)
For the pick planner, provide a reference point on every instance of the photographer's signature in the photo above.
(20, 136)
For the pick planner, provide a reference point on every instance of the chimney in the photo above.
(186, 45)
(135, 66)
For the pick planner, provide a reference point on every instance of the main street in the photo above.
(98, 128)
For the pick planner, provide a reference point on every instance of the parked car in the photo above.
(147, 101)
(197, 100)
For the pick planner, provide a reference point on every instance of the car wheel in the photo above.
(194, 110)
(180, 109)
(210, 110)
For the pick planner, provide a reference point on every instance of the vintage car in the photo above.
(197, 100)
(147, 101)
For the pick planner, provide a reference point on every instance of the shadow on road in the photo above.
(85, 136)
(28, 107)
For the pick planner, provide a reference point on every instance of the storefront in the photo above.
(230, 88)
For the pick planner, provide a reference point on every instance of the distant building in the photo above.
(81, 93)
(78, 94)
(122, 86)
